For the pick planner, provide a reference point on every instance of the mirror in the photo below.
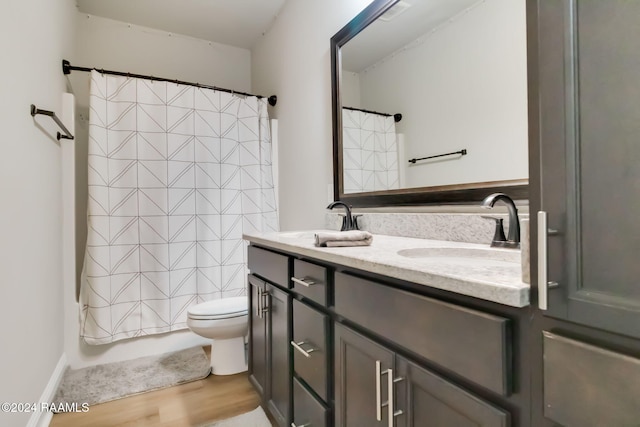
(430, 102)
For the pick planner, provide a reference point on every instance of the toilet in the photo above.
(224, 321)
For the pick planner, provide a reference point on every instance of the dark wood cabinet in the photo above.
(279, 354)
(474, 344)
(589, 154)
(307, 410)
(585, 182)
(359, 363)
(428, 400)
(375, 386)
(378, 354)
(257, 336)
(269, 354)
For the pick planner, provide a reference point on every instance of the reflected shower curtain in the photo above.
(370, 152)
(176, 175)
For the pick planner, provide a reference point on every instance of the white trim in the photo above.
(42, 419)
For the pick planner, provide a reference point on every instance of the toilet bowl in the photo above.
(225, 321)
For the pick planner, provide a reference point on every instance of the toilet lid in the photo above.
(225, 307)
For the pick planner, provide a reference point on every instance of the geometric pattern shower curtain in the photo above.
(176, 175)
(370, 152)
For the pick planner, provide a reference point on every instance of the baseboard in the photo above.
(42, 419)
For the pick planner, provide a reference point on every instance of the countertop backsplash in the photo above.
(454, 227)
(469, 228)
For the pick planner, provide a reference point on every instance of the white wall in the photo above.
(350, 89)
(292, 60)
(114, 45)
(34, 36)
(465, 86)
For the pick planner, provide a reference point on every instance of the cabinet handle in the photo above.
(301, 425)
(297, 345)
(391, 393)
(304, 281)
(265, 306)
(378, 392)
(543, 268)
(259, 303)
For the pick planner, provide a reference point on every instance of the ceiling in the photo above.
(237, 23)
(382, 38)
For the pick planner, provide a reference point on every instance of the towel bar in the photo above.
(35, 110)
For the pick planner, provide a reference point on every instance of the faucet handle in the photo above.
(356, 226)
(498, 235)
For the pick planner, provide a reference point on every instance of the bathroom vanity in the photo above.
(406, 332)
(402, 334)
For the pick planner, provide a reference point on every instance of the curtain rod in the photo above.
(67, 68)
(396, 117)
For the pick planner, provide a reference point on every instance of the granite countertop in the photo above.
(489, 279)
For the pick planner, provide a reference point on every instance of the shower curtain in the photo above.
(370, 152)
(176, 175)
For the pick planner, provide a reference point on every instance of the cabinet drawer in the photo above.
(310, 335)
(269, 265)
(470, 343)
(310, 280)
(589, 385)
(307, 410)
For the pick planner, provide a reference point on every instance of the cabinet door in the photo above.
(584, 56)
(257, 336)
(590, 151)
(428, 400)
(360, 388)
(279, 354)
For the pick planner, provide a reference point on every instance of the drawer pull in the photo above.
(301, 425)
(297, 346)
(304, 281)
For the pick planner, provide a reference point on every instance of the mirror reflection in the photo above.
(455, 70)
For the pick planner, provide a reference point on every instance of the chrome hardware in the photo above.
(543, 261)
(378, 392)
(391, 392)
(265, 303)
(304, 281)
(301, 425)
(297, 346)
(259, 303)
(389, 403)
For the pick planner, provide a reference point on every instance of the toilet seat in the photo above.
(225, 308)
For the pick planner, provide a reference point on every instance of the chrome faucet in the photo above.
(349, 222)
(513, 240)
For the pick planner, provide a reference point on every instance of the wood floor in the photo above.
(192, 404)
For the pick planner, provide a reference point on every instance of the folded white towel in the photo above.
(344, 238)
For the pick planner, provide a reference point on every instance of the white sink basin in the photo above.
(464, 255)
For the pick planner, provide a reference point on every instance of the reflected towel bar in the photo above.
(67, 135)
(462, 152)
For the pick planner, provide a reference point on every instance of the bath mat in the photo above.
(255, 418)
(103, 383)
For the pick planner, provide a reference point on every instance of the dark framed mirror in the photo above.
(429, 103)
